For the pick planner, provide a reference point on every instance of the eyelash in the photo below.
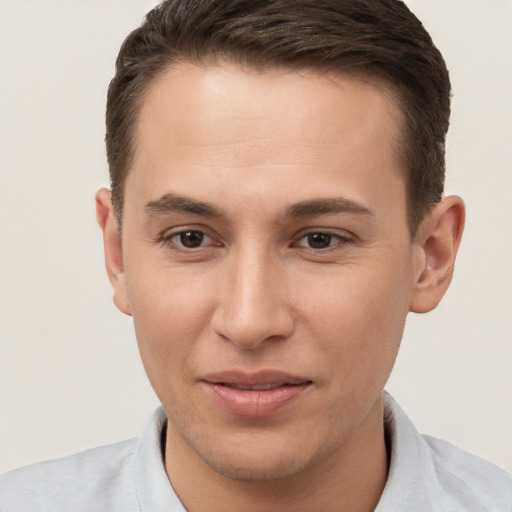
(341, 241)
(168, 240)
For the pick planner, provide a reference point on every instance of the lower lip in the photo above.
(255, 404)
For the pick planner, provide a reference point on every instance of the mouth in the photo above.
(254, 395)
(262, 387)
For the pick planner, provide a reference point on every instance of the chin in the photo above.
(266, 459)
(259, 470)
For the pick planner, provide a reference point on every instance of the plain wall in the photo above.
(70, 375)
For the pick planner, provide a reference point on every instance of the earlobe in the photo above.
(113, 249)
(438, 240)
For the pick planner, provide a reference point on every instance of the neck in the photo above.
(350, 478)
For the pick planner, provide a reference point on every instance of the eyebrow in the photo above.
(326, 206)
(175, 203)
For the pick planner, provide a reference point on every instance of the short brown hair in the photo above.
(377, 39)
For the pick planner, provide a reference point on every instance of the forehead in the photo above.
(303, 102)
(208, 126)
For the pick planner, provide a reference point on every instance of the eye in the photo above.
(320, 240)
(190, 239)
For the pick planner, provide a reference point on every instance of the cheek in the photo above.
(357, 316)
(171, 311)
(165, 297)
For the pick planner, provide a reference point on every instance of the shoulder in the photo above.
(476, 482)
(427, 474)
(97, 479)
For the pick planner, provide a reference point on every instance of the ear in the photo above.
(113, 249)
(438, 241)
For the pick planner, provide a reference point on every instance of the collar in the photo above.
(420, 476)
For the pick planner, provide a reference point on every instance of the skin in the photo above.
(255, 294)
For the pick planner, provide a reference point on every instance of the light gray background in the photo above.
(70, 375)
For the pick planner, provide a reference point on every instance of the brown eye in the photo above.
(319, 240)
(191, 239)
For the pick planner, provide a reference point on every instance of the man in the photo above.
(276, 210)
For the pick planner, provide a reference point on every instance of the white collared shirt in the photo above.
(426, 475)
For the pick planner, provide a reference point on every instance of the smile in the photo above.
(254, 395)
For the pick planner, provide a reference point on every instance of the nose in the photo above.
(254, 304)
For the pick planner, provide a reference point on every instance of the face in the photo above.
(268, 265)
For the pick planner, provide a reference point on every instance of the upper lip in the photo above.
(259, 378)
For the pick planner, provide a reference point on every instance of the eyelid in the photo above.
(204, 241)
(340, 233)
(166, 237)
(343, 238)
